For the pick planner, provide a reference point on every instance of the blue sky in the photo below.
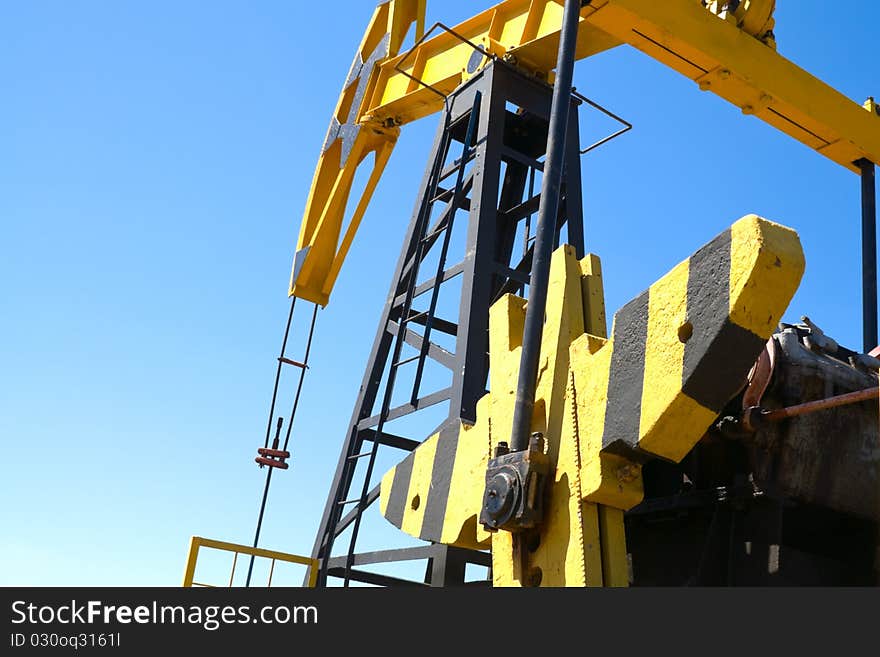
(154, 163)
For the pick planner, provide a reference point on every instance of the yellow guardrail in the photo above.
(197, 542)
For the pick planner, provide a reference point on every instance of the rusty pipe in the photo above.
(821, 404)
(754, 417)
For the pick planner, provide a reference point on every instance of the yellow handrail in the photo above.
(198, 542)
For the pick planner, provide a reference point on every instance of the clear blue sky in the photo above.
(154, 162)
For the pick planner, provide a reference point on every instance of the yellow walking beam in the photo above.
(723, 59)
(731, 55)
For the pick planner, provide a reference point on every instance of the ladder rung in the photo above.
(449, 170)
(456, 165)
(446, 196)
(443, 192)
(407, 360)
(430, 236)
(351, 501)
(359, 456)
(295, 363)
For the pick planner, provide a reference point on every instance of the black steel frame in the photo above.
(497, 152)
(869, 255)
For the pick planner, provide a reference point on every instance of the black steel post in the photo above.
(869, 255)
(546, 229)
(263, 503)
(250, 572)
(278, 371)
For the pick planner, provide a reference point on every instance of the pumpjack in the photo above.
(698, 441)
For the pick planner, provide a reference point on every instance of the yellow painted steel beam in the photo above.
(730, 54)
(728, 61)
(522, 32)
(349, 144)
(720, 55)
(676, 355)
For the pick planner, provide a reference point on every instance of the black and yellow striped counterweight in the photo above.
(677, 354)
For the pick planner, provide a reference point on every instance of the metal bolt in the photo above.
(500, 498)
(536, 443)
(501, 449)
